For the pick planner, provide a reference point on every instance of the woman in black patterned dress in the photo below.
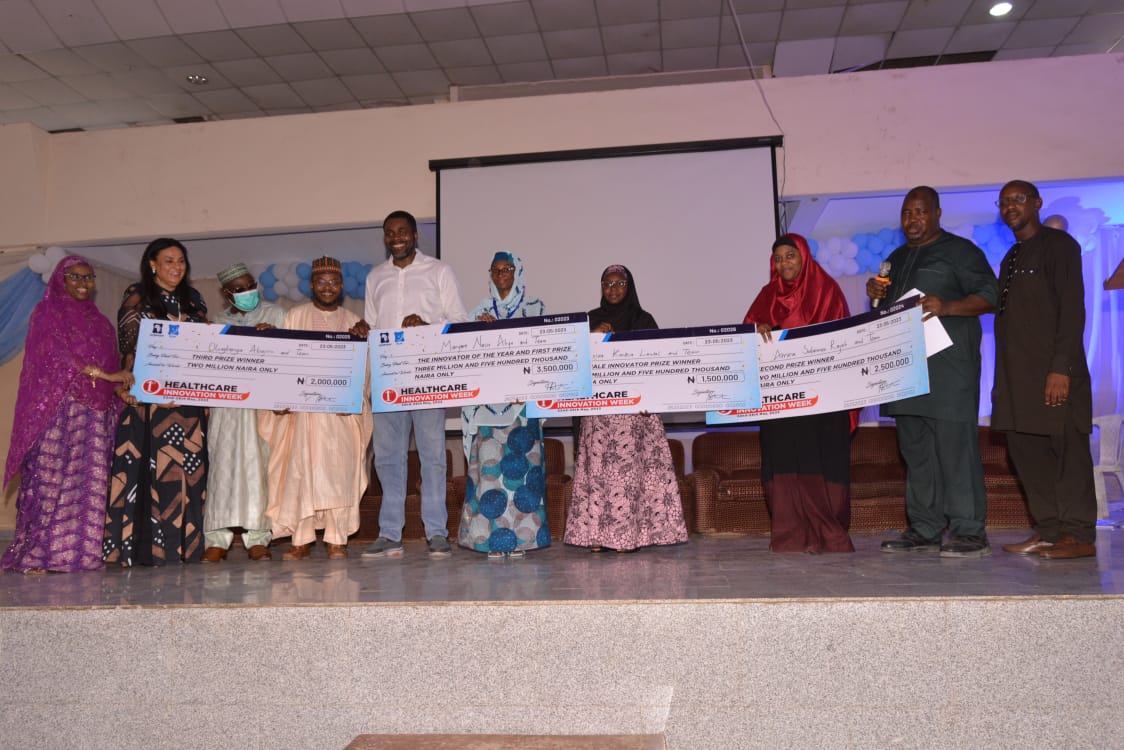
(158, 481)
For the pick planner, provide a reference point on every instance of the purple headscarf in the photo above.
(64, 336)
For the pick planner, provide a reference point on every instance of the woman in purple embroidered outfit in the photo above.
(62, 432)
(625, 492)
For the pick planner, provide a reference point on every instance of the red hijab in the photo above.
(813, 297)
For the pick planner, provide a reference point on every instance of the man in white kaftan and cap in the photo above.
(236, 478)
(318, 462)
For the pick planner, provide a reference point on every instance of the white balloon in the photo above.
(834, 245)
(849, 249)
(46, 276)
(851, 267)
(54, 254)
(281, 270)
(281, 288)
(39, 263)
(291, 279)
(295, 294)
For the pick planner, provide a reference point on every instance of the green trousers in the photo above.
(944, 476)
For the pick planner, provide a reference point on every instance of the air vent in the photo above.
(193, 118)
(928, 60)
(67, 130)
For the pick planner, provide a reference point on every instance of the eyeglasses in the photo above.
(328, 283)
(614, 284)
(88, 278)
(1011, 200)
(239, 289)
(503, 270)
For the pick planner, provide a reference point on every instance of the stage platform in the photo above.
(717, 643)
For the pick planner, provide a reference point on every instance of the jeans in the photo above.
(392, 444)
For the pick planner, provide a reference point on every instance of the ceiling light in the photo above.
(1000, 9)
(196, 78)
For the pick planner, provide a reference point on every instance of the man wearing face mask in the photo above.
(236, 481)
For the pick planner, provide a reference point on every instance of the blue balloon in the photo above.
(350, 287)
(304, 271)
(353, 268)
(267, 278)
(304, 287)
(886, 235)
(863, 258)
(861, 240)
(268, 293)
(814, 247)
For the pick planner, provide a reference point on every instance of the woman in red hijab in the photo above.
(805, 461)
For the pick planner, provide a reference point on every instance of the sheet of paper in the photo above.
(936, 337)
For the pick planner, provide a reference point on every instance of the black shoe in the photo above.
(966, 546)
(909, 541)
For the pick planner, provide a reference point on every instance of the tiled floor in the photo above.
(727, 568)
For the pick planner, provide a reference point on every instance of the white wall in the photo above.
(980, 124)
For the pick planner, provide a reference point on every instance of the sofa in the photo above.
(731, 498)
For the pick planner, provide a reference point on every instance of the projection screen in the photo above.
(693, 221)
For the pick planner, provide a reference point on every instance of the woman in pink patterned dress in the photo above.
(62, 433)
(625, 492)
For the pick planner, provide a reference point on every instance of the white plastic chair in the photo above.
(1111, 461)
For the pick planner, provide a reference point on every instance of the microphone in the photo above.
(883, 275)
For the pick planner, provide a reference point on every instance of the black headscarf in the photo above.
(626, 315)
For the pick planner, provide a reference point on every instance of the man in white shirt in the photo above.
(410, 289)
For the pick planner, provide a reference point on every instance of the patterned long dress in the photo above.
(62, 492)
(504, 507)
(62, 432)
(505, 498)
(158, 480)
(625, 492)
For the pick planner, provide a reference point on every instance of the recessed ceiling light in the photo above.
(196, 78)
(1000, 9)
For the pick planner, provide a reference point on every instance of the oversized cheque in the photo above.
(461, 364)
(205, 364)
(667, 370)
(859, 361)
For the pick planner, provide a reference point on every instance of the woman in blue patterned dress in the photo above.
(504, 507)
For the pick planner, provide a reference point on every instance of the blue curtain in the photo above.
(19, 293)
